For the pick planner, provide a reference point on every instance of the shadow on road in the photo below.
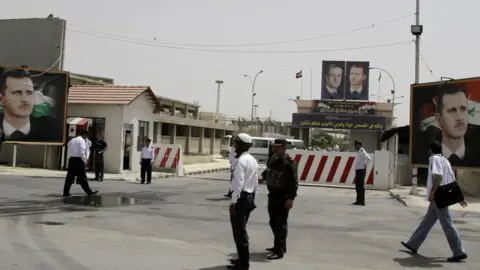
(417, 260)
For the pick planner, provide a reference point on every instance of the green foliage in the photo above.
(324, 141)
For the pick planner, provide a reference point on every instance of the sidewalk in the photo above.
(217, 165)
(402, 194)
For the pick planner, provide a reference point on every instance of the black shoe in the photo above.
(235, 261)
(142, 182)
(273, 249)
(93, 193)
(149, 182)
(275, 256)
(457, 258)
(67, 195)
(411, 249)
(358, 204)
(96, 179)
(238, 267)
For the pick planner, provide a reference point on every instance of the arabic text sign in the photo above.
(319, 120)
(344, 107)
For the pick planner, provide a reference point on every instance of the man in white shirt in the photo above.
(362, 159)
(244, 187)
(77, 150)
(440, 173)
(146, 160)
(89, 144)
(232, 160)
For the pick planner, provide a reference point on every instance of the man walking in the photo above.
(362, 159)
(440, 173)
(77, 149)
(146, 160)
(282, 184)
(99, 149)
(244, 187)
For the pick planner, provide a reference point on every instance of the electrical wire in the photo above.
(252, 44)
(427, 66)
(244, 52)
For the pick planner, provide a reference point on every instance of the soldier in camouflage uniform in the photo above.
(282, 183)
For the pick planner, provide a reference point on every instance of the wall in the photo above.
(113, 130)
(369, 139)
(34, 42)
(469, 181)
(139, 110)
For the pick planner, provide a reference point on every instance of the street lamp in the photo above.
(253, 88)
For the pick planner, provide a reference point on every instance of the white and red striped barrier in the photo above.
(338, 168)
(169, 156)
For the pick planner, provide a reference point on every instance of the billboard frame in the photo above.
(412, 86)
(67, 84)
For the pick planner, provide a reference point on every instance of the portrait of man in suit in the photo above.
(333, 87)
(449, 125)
(21, 118)
(357, 87)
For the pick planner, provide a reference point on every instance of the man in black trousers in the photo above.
(77, 148)
(146, 160)
(99, 149)
(362, 159)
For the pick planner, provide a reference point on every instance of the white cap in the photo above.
(243, 137)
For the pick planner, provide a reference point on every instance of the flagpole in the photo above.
(311, 83)
(301, 86)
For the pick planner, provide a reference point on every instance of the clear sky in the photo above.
(449, 45)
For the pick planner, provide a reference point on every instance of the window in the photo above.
(142, 134)
(259, 143)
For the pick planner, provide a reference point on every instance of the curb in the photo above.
(398, 198)
(171, 175)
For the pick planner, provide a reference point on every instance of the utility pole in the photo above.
(253, 89)
(219, 83)
(417, 30)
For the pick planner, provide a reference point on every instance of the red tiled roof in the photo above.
(108, 94)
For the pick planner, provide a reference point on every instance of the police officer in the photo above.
(282, 183)
(244, 186)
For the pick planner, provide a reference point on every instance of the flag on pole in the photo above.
(298, 75)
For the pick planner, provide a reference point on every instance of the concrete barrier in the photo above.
(338, 168)
(169, 156)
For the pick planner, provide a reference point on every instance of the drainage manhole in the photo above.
(50, 223)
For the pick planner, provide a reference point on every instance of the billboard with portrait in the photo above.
(345, 80)
(33, 105)
(447, 112)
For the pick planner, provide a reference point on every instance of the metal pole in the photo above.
(414, 190)
(253, 98)
(218, 82)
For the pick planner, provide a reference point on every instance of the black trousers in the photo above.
(146, 168)
(244, 206)
(99, 167)
(360, 185)
(278, 214)
(76, 168)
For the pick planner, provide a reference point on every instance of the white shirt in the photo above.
(77, 147)
(9, 129)
(362, 159)
(447, 152)
(89, 144)
(441, 166)
(358, 90)
(245, 176)
(148, 153)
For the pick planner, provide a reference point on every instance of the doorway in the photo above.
(127, 146)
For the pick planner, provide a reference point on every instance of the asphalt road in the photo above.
(179, 224)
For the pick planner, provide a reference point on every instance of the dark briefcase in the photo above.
(447, 195)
